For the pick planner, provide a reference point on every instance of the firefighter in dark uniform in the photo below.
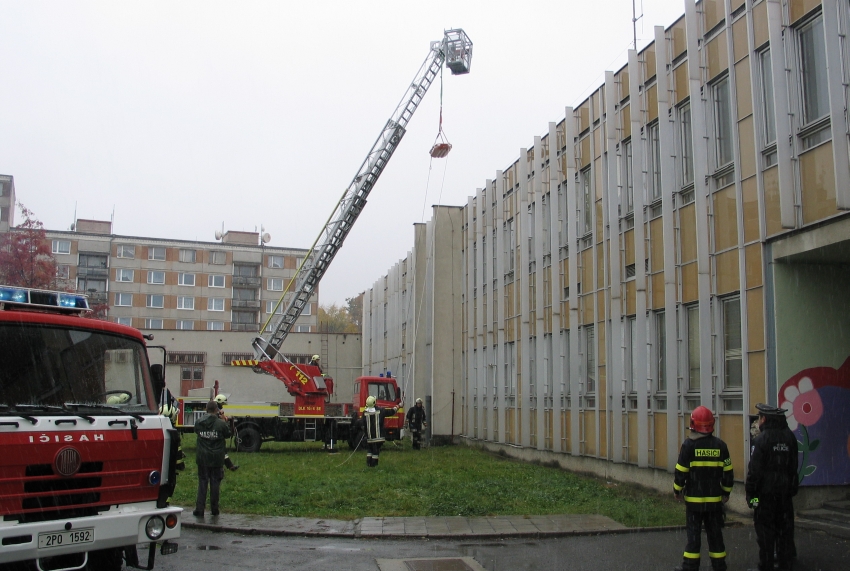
(704, 480)
(771, 483)
(416, 422)
(373, 426)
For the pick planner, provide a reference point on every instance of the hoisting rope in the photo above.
(441, 146)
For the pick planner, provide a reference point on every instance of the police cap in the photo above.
(768, 410)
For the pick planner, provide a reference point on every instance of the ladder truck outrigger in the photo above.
(313, 413)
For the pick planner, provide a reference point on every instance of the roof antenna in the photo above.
(635, 19)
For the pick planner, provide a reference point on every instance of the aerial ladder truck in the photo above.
(313, 416)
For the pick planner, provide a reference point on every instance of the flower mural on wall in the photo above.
(817, 401)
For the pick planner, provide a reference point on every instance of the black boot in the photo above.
(228, 463)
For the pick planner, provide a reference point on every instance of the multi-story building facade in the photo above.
(7, 202)
(679, 238)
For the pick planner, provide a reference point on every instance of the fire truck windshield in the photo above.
(382, 391)
(45, 366)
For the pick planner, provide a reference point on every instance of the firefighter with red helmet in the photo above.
(703, 479)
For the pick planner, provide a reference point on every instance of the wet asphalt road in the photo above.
(652, 551)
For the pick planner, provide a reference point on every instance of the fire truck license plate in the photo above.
(60, 538)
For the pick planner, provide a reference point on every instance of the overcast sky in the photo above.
(178, 118)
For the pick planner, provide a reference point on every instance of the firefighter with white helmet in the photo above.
(704, 480)
(315, 361)
(373, 426)
(221, 400)
(416, 422)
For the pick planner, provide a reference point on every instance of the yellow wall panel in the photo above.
(731, 430)
(600, 356)
(589, 419)
(713, 11)
(760, 33)
(799, 8)
(771, 201)
(717, 55)
(752, 257)
(598, 145)
(586, 276)
(725, 219)
(739, 40)
(689, 283)
(743, 87)
(757, 377)
(630, 297)
(818, 181)
(659, 420)
(629, 239)
(652, 103)
(656, 245)
(584, 151)
(746, 137)
(626, 120)
(726, 266)
(658, 290)
(631, 425)
(603, 433)
(600, 263)
(680, 81)
(680, 38)
(622, 81)
(584, 116)
(688, 233)
(755, 319)
(587, 307)
(749, 190)
(648, 63)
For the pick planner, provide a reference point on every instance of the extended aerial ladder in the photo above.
(455, 50)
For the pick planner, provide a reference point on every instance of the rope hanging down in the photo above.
(441, 146)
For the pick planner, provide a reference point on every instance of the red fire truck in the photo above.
(258, 422)
(88, 463)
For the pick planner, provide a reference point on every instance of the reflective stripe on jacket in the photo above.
(704, 472)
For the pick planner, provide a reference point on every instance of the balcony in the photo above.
(96, 298)
(242, 281)
(85, 272)
(245, 304)
(253, 327)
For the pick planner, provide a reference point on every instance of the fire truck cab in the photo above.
(88, 462)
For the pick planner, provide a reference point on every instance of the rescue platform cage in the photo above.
(458, 51)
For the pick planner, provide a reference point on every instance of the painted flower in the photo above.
(803, 403)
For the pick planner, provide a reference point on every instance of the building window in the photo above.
(156, 253)
(302, 329)
(186, 279)
(733, 373)
(187, 256)
(215, 281)
(97, 261)
(61, 247)
(185, 302)
(155, 300)
(91, 285)
(63, 272)
(590, 359)
(769, 112)
(215, 304)
(693, 348)
(661, 350)
(585, 202)
(275, 262)
(156, 277)
(722, 122)
(687, 145)
(192, 373)
(153, 323)
(124, 299)
(215, 326)
(128, 321)
(185, 324)
(308, 308)
(126, 251)
(270, 307)
(244, 317)
(218, 258)
(813, 71)
(627, 181)
(244, 294)
(4, 214)
(298, 261)
(245, 270)
(123, 275)
(274, 284)
(654, 155)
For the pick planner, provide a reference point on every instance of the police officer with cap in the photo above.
(771, 483)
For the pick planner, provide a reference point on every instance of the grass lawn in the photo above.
(302, 480)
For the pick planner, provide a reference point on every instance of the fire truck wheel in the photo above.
(248, 440)
(106, 560)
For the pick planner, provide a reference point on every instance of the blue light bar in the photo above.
(42, 299)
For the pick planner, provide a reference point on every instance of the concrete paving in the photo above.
(407, 527)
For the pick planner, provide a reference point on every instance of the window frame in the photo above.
(721, 105)
(215, 325)
(181, 279)
(212, 302)
(121, 297)
(152, 297)
(272, 260)
(186, 302)
(56, 247)
(152, 322)
(121, 251)
(121, 273)
(153, 252)
(212, 278)
(692, 349)
(187, 256)
(152, 274)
